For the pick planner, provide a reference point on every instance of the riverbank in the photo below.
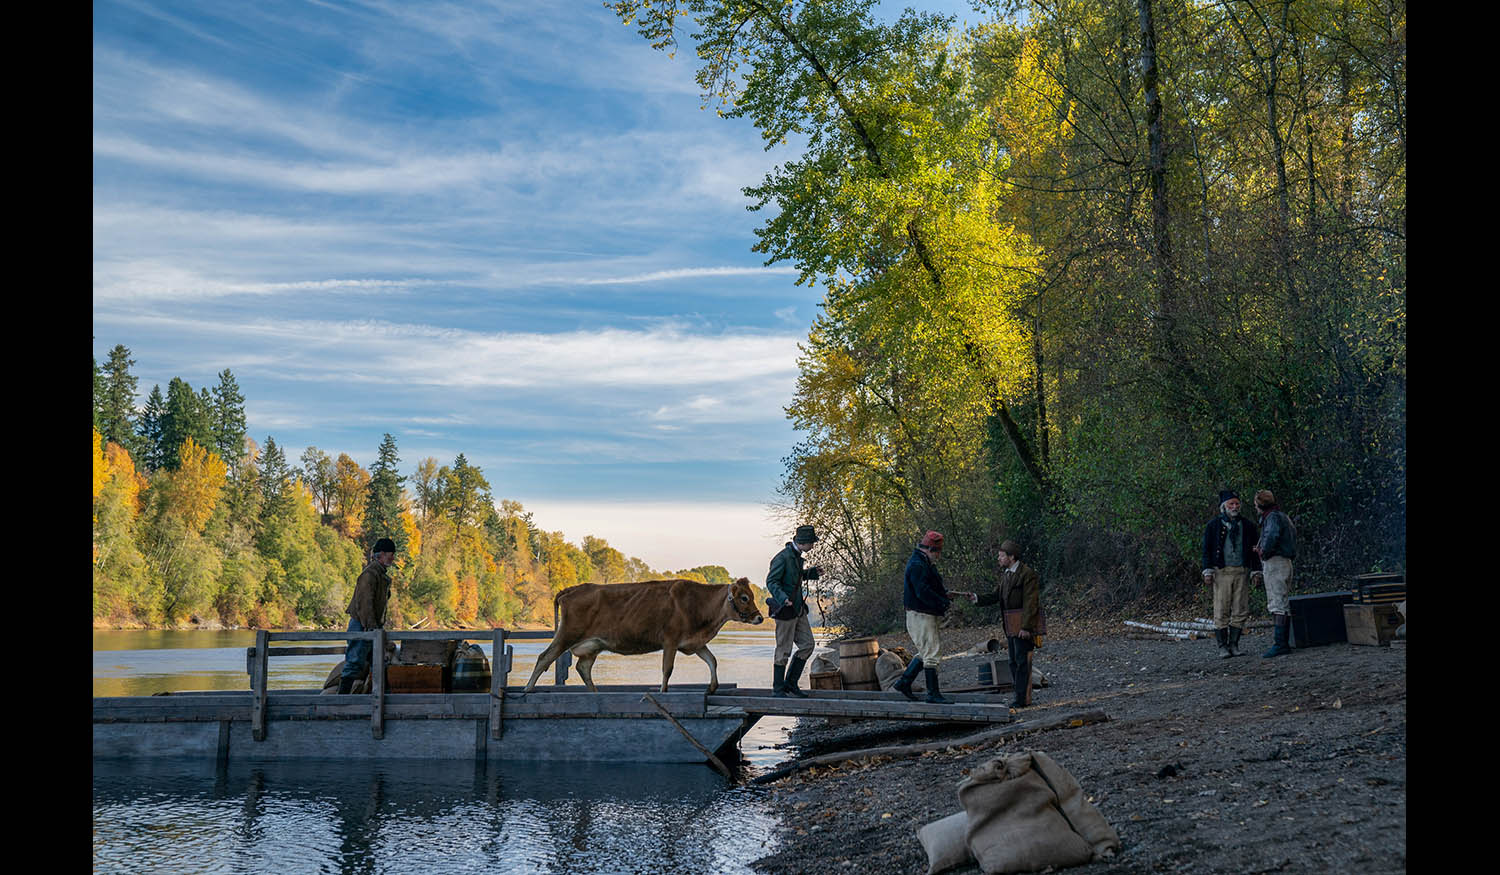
(1292, 764)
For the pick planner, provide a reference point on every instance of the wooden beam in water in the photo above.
(884, 710)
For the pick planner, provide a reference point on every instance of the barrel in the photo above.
(857, 663)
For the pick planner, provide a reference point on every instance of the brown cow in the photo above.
(644, 617)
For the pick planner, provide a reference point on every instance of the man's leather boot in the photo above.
(1022, 678)
(1234, 640)
(1279, 646)
(1222, 637)
(903, 685)
(345, 685)
(794, 671)
(934, 695)
(778, 681)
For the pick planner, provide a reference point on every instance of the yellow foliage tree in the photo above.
(196, 484)
(101, 464)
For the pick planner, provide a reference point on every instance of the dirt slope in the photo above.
(1293, 764)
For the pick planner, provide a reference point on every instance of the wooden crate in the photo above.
(415, 678)
(826, 680)
(1371, 624)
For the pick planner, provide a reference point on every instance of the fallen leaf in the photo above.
(884, 816)
(1338, 703)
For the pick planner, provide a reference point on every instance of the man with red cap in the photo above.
(926, 601)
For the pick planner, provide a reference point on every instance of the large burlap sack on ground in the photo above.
(888, 668)
(1026, 813)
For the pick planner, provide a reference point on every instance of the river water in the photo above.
(435, 816)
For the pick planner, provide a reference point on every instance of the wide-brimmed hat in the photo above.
(933, 540)
(805, 535)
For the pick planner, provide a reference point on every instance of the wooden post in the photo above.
(689, 736)
(377, 682)
(499, 665)
(258, 683)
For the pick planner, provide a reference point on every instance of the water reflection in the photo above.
(430, 816)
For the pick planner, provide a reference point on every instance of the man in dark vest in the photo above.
(1228, 561)
(367, 611)
(1020, 589)
(788, 607)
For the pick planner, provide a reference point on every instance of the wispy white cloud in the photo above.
(689, 273)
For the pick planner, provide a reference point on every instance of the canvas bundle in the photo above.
(1022, 813)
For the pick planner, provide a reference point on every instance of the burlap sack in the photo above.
(888, 668)
(944, 842)
(824, 659)
(1026, 813)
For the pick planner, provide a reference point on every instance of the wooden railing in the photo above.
(500, 663)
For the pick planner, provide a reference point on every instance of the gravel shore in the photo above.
(1244, 765)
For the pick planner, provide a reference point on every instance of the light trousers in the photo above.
(1231, 597)
(923, 629)
(790, 633)
(1278, 578)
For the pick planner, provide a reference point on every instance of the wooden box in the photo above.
(826, 680)
(1371, 624)
(416, 678)
(1318, 618)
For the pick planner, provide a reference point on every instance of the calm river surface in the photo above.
(329, 816)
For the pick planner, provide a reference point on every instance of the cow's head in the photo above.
(742, 600)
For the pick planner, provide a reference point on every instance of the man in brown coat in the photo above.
(367, 611)
(1020, 590)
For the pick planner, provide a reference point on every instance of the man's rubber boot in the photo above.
(778, 682)
(903, 684)
(794, 671)
(1234, 640)
(1222, 636)
(934, 695)
(1279, 647)
(345, 685)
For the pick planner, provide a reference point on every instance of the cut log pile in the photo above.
(1180, 630)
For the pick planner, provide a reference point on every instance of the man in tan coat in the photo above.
(367, 611)
(1020, 590)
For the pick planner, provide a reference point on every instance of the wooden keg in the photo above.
(857, 663)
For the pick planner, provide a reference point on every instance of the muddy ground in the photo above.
(1292, 764)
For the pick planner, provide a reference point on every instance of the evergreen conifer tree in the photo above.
(383, 500)
(188, 416)
(228, 419)
(117, 405)
(149, 435)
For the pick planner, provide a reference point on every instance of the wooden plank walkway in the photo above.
(966, 707)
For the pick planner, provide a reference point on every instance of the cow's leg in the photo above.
(585, 665)
(544, 661)
(668, 656)
(713, 669)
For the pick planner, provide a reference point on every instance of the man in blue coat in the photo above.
(788, 607)
(926, 600)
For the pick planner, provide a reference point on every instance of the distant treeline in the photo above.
(194, 519)
(1086, 264)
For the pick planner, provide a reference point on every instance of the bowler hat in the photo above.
(805, 535)
(384, 545)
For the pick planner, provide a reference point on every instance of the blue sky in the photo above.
(501, 229)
